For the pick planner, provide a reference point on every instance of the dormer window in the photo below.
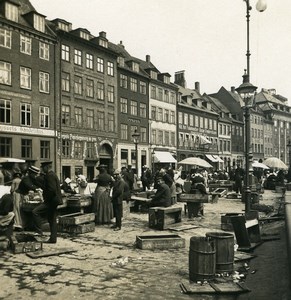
(135, 66)
(39, 22)
(84, 35)
(154, 75)
(63, 26)
(167, 79)
(103, 43)
(11, 12)
(120, 61)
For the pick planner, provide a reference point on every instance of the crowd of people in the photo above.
(112, 188)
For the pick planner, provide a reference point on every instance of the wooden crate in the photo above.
(81, 228)
(161, 242)
(162, 217)
(79, 201)
(195, 198)
(76, 219)
(24, 242)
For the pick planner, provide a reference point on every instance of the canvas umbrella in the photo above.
(275, 163)
(259, 165)
(195, 161)
(11, 160)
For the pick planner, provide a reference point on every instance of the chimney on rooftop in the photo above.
(197, 86)
(148, 58)
(233, 89)
(180, 78)
(102, 34)
(121, 44)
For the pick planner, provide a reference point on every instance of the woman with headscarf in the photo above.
(102, 206)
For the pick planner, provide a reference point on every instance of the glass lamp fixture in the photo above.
(246, 90)
(261, 5)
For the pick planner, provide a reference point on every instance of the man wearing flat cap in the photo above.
(52, 198)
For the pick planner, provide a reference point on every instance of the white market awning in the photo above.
(218, 159)
(164, 157)
(210, 157)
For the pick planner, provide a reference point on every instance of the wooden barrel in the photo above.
(224, 244)
(201, 258)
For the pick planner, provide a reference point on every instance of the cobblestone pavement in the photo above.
(108, 265)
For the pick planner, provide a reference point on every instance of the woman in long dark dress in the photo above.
(102, 206)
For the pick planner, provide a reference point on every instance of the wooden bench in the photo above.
(163, 217)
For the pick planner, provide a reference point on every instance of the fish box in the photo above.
(79, 201)
(81, 228)
(22, 243)
(76, 219)
(195, 198)
(161, 242)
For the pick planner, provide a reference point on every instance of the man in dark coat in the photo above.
(162, 196)
(52, 198)
(117, 198)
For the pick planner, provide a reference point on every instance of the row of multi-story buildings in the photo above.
(77, 99)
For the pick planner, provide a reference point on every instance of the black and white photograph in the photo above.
(145, 149)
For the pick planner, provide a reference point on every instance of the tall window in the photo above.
(110, 93)
(65, 82)
(133, 84)
(154, 112)
(77, 57)
(160, 114)
(123, 81)
(89, 88)
(5, 147)
(39, 22)
(124, 131)
(44, 149)
(160, 137)
(100, 65)
(66, 120)
(26, 148)
(25, 114)
(167, 96)
(166, 116)
(143, 134)
(5, 111)
(78, 117)
(173, 139)
(44, 117)
(173, 98)
(167, 138)
(110, 68)
(143, 87)
(143, 110)
(172, 117)
(123, 105)
(5, 38)
(25, 78)
(153, 92)
(90, 118)
(78, 85)
(11, 12)
(111, 122)
(5, 73)
(78, 149)
(44, 51)
(160, 94)
(133, 108)
(90, 150)
(89, 61)
(101, 120)
(66, 148)
(154, 136)
(65, 52)
(25, 44)
(44, 82)
(100, 90)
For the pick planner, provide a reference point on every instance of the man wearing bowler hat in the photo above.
(52, 198)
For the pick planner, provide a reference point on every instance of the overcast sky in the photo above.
(206, 38)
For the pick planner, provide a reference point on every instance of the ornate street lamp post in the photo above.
(136, 137)
(247, 92)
